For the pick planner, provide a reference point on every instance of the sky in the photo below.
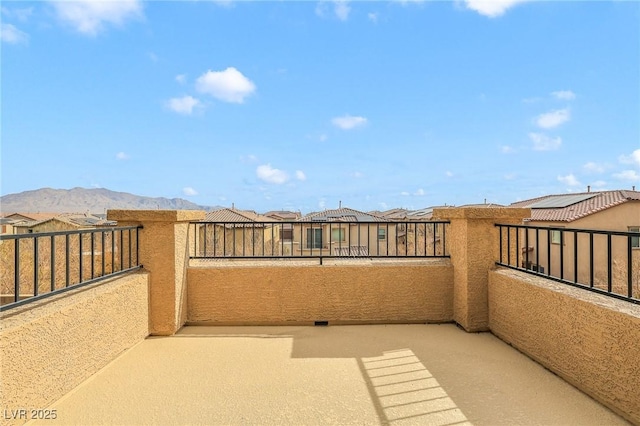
(305, 105)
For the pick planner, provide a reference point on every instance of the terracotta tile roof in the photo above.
(600, 201)
(234, 215)
(342, 214)
(282, 215)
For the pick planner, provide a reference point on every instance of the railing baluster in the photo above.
(35, 266)
(53, 262)
(629, 267)
(609, 261)
(16, 272)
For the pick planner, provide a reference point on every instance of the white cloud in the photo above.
(564, 95)
(12, 35)
(491, 8)
(229, 85)
(532, 100)
(542, 142)
(189, 191)
(348, 122)
(249, 158)
(569, 180)
(599, 183)
(122, 156)
(630, 175)
(153, 57)
(592, 167)
(300, 175)
(323, 137)
(405, 193)
(21, 15)
(633, 158)
(322, 203)
(183, 105)
(341, 9)
(357, 175)
(420, 192)
(181, 78)
(373, 17)
(449, 173)
(510, 176)
(506, 149)
(90, 17)
(268, 174)
(384, 205)
(553, 119)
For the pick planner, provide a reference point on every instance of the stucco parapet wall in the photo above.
(497, 213)
(155, 215)
(581, 295)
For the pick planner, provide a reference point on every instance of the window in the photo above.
(555, 237)
(337, 234)
(635, 241)
(286, 232)
(314, 238)
(382, 234)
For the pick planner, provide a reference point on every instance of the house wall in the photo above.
(361, 235)
(588, 339)
(617, 218)
(50, 346)
(348, 293)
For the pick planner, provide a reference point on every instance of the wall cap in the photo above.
(495, 213)
(155, 215)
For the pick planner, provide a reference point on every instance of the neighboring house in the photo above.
(29, 223)
(617, 210)
(237, 233)
(283, 215)
(344, 232)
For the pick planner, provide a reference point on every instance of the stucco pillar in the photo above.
(163, 252)
(473, 241)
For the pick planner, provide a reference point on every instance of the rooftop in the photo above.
(376, 374)
(570, 207)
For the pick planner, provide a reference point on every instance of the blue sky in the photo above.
(300, 105)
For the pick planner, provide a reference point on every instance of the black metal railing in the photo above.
(331, 239)
(605, 262)
(39, 265)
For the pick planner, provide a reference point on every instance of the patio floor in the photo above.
(368, 375)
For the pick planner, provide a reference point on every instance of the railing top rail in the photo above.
(316, 222)
(71, 232)
(557, 228)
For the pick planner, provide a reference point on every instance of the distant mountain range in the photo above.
(94, 200)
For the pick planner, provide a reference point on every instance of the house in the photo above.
(234, 232)
(344, 232)
(283, 215)
(617, 210)
(29, 223)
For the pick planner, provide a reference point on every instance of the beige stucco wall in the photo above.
(164, 253)
(50, 346)
(473, 241)
(590, 340)
(370, 292)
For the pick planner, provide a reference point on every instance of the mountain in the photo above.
(94, 200)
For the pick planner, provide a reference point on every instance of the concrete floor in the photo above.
(340, 375)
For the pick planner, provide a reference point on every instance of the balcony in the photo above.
(445, 339)
(365, 374)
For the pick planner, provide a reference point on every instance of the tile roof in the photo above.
(600, 201)
(342, 214)
(234, 215)
(282, 215)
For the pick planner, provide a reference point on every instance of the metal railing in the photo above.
(319, 240)
(605, 262)
(39, 265)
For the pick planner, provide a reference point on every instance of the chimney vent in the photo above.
(588, 188)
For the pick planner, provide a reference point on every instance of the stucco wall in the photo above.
(51, 346)
(589, 340)
(421, 291)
